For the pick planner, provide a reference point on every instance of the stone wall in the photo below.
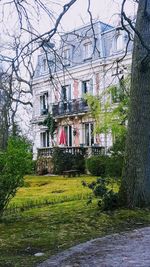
(44, 165)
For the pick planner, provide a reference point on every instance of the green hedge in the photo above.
(105, 166)
(66, 161)
(96, 165)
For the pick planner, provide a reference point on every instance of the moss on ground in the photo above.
(53, 228)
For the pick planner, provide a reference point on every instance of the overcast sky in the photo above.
(104, 10)
(77, 15)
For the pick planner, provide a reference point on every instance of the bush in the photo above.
(108, 199)
(114, 166)
(16, 162)
(96, 165)
(79, 163)
(34, 166)
(115, 162)
(61, 161)
(2, 163)
(105, 166)
(65, 161)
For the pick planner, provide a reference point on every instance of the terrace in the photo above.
(86, 151)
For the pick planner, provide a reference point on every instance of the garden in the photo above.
(51, 213)
(46, 214)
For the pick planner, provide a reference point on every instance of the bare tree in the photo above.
(18, 52)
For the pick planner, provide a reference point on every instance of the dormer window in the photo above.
(66, 57)
(87, 50)
(44, 64)
(119, 42)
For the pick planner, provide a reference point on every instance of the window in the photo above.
(66, 57)
(88, 134)
(44, 137)
(66, 93)
(87, 87)
(44, 103)
(44, 64)
(87, 50)
(50, 63)
(119, 42)
(68, 132)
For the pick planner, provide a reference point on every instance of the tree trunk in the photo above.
(135, 187)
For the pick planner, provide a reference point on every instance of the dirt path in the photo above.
(130, 249)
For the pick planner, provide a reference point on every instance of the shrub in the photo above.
(118, 147)
(96, 165)
(61, 161)
(105, 165)
(115, 163)
(65, 161)
(16, 162)
(2, 163)
(108, 199)
(114, 166)
(79, 163)
(34, 166)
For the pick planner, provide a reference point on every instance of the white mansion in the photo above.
(84, 63)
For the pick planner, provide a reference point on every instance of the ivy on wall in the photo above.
(51, 124)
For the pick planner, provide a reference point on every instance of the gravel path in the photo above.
(130, 249)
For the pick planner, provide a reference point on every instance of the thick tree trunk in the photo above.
(135, 187)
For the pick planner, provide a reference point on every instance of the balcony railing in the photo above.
(86, 151)
(75, 106)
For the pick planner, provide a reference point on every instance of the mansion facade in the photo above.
(86, 62)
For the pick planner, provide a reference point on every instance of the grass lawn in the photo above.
(66, 221)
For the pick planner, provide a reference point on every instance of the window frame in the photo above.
(44, 103)
(44, 139)
(68, 95)
(88, 133)
(87, 50)
(87, 87)
(67, 57)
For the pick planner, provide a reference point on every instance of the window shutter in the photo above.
(91, 87)
(83, 89)
(41, 103)
(69, 92)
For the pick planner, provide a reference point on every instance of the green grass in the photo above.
(53, 228)
(39, 190)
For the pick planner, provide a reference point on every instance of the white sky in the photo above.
(104, 10)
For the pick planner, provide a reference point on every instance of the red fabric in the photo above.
(62, 140)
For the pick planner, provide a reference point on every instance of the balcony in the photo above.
(65, 108)
(86, 151)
